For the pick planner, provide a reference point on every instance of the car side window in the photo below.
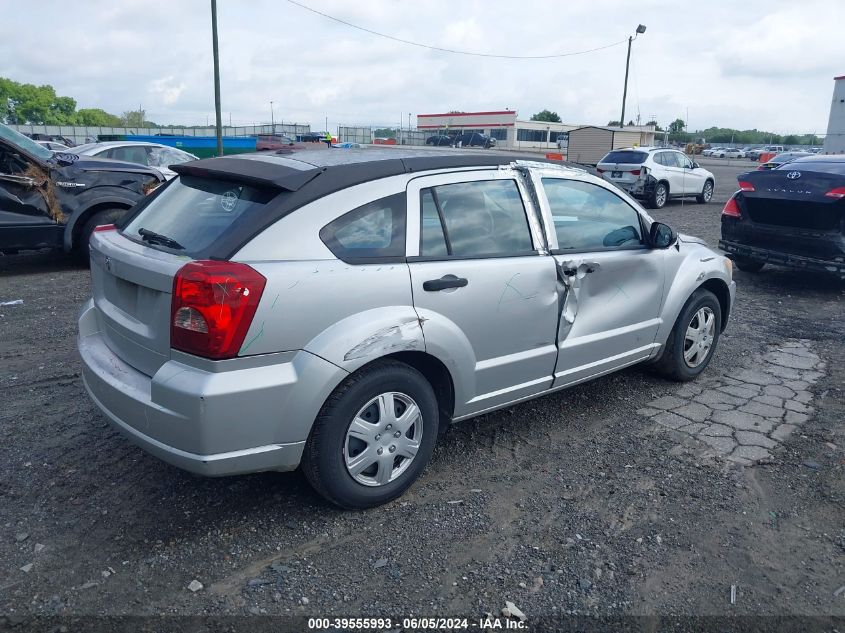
(374, 231)
(660, 159)
(132, 154)
(483, 218)
(683, 161)
(588, 217)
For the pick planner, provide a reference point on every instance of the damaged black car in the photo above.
(54, 200)
(793, 215)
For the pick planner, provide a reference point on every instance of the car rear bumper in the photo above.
(639, 188)
(783, 258)
(253, 414)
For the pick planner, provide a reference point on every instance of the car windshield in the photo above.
(24, 143)
(826, 167)
(636, 158)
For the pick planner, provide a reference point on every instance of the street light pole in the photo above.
(631, 38)
(272, 119)
(216, 54)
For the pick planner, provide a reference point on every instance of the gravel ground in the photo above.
(571, 504)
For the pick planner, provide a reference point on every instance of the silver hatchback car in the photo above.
(337, 310)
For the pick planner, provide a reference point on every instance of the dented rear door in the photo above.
(611, 283)
(483, 284)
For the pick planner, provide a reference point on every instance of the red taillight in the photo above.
(839, 192)
(732, 208)
(212, 307)
(105, 227)
(635, 172)
(601, 171)
(746, 186)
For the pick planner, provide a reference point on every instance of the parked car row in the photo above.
(655, 175)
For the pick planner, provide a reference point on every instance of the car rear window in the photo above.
(195, 212)
(825, 167)
(636, 158)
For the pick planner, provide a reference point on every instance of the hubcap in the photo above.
(708, 192)
(698, 340)
(383, 439)
(661, 196)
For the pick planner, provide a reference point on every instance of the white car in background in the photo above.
(150, 154)
(655, 174)
(53, 146)
(732, 152)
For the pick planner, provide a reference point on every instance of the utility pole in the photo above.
(216, 54)
(272, 119)
(631, 38)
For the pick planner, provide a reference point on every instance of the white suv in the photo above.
(655, 174)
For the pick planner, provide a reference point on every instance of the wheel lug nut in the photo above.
(389, 426)
(392, 449)
(378, 436)
(380, 451)
(397, 434)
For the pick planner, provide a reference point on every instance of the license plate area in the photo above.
(616, 174)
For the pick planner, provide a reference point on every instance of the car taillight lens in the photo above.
(732, 208)
(601, 171)
(839, 192)
(746, 186)
(212, 307)
(105, 227)
(635, 172)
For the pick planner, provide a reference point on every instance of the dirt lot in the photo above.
(571, 504)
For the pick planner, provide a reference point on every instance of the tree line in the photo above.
(40, 105)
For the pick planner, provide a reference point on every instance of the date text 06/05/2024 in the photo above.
(415, 624)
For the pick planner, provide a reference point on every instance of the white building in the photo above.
(834, 142)
(511, 132)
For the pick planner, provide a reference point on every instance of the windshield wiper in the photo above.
(157, 238)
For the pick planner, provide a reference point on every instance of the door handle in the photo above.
(446, 281)
(571, 272)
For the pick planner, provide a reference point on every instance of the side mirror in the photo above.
(661, 235)
(695, 165)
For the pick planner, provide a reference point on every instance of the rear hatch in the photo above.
(793, 210)
(133, 268)
(623, 167)
(794, 198)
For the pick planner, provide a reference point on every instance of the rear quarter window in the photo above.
(374, 232)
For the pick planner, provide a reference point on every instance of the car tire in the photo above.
(329, 449)
(748, 265)
(105, 216)
(659, 196)
(674, 364)
(706, 193)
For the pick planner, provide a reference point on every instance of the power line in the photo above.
(451, 50)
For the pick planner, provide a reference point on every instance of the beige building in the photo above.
(511, 132)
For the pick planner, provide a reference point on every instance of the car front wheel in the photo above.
(373, 436)
(706, 193)
(693, 340)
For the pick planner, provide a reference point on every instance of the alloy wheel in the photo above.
(708, 191)
(383, 439)
(698, 339)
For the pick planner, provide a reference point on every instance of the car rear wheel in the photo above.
(106, 216)
(659, 196)
(749, 265)
(373, 436)
(693, 340)
(706, 193)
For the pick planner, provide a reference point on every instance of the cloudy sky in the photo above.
(767, 64)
